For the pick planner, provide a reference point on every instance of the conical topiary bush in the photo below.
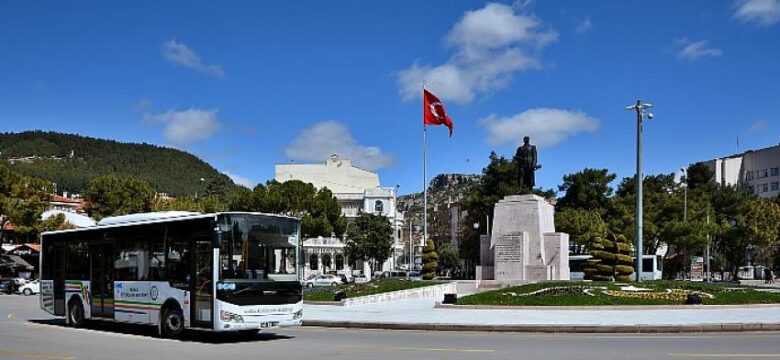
(612, 259)
(430, 261)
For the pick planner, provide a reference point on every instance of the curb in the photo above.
(624, 329)
(439, 305)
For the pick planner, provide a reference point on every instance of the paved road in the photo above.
(29, 333)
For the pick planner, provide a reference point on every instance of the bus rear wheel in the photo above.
(172, 323)
(76, 314)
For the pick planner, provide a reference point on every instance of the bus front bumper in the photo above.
(262, 322)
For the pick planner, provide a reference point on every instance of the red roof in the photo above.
(58, 198)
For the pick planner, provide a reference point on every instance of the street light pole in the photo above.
(685, 196)
(685, 215)
(639, 108)
(395, 225)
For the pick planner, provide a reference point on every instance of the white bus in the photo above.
(651, 267)
(222, 272)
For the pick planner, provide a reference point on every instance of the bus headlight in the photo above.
(230, 317)
(298, 314)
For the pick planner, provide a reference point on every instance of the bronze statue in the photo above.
(526, 166)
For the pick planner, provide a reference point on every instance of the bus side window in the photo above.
(157, 260)
(178, 259)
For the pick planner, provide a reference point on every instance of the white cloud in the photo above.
(696, 50)
(181, 54)
(489, 45)
(240, 180)
(545, 126)
(584, 26)
(761, 12)
(187, 126)
(323, 139)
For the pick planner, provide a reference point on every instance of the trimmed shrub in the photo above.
(612, 259)
(430, 261)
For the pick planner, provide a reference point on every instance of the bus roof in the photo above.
(156, 217)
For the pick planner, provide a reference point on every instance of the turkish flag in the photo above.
(433, 111)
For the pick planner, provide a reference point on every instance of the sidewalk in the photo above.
(421, 315)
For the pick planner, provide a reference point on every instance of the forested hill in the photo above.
(72, 161)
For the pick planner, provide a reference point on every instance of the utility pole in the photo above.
(639, 108)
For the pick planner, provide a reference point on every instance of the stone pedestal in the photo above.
(523, 243)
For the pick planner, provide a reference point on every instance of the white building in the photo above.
(757, 171)
(357, 191)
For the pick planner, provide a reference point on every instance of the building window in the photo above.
(313, 262)
(776, 186)
(339, 262)
(379, 206)
(326, 265)
(748, 175)
(775, 171)
(763, 173)
(751, 189)
(764, 187)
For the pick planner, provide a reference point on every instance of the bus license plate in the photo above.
(267, 325)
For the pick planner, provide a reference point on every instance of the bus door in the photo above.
(58, 265)
(102, 279)
(202, 294)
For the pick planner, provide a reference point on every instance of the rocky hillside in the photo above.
(442, 189)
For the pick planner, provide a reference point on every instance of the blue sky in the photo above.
(246, 84)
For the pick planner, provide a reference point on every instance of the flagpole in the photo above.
(425, 185)
(425, 176)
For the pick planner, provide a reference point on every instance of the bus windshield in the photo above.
(255, 248)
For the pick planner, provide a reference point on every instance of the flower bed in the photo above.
(606, 293)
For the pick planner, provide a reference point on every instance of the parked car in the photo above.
(360, 279)
(30, 288)
(415, 276)
(323, 280)
(343, 277)
(394, 275)
(5, 287)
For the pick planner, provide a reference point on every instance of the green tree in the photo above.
(752, 226)
(430, 261)
(22, 200)
(588, 189)
(370, 238)
(56, 222)
(319, 210)
(109, 195)
(448, 260)
(182, 203)
(700, 177)
(662, 205)
(582, 225)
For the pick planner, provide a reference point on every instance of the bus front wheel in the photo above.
(172, 323)
(76, 314)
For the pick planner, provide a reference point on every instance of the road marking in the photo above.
(370, 347)
(724, 355)
(34, 355)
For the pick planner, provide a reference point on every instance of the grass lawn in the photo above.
(607, 293)
(371, 288)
